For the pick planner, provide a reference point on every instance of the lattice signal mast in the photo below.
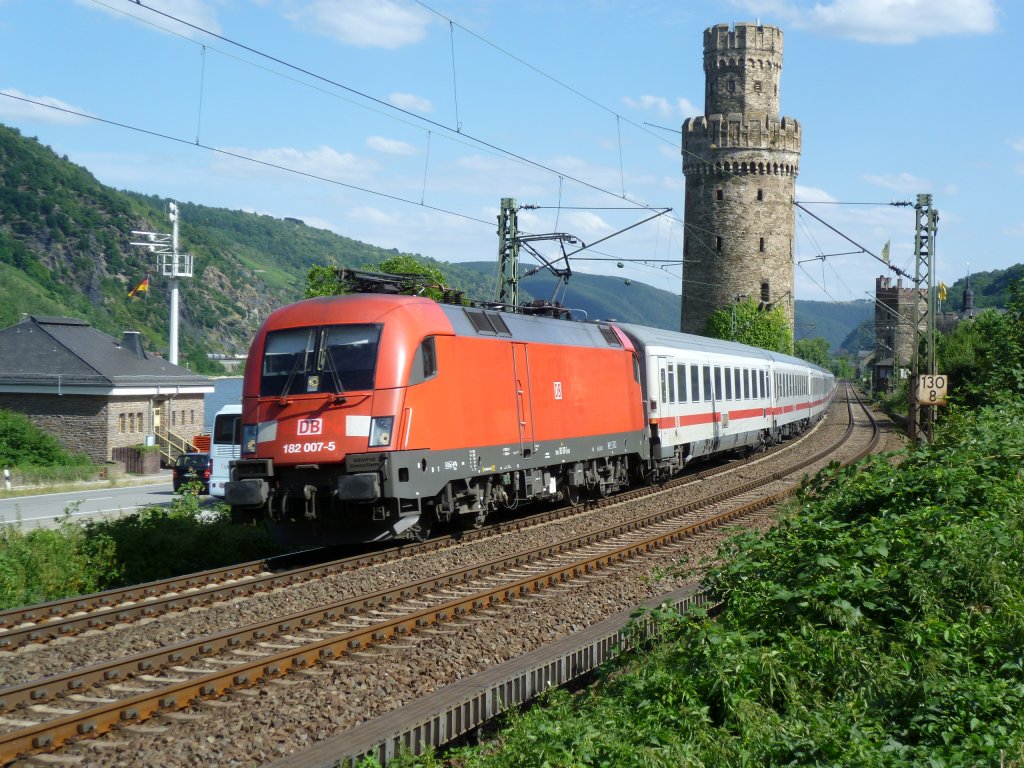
(170, 264)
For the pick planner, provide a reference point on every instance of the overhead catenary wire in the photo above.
(380, 102)
(240, 156)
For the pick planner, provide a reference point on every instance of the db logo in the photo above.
(311, 427)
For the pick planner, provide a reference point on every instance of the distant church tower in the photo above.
(741, 162)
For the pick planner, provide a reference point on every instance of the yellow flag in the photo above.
(885, 252)
(943, 293)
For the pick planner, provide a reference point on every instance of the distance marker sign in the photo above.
(931, 390)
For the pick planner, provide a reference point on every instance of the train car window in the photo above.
(718, 383)
(664, 388)
(728, 384)
(671, 383)
(424, 362)
(746, 383)
(636, 369)
(681, 382)
(707, 383)
(694, 384)
(737, 378)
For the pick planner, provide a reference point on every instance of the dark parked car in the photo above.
(189, 467)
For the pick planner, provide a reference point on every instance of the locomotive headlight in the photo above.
(249, 432)
(380, 430)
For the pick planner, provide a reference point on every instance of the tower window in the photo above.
(731, 86)
(761, 245)
(718, 243)
(766, 294)
(757, 86)
(719, 194)
(760, 194)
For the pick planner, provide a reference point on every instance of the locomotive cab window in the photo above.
(424, 362)
(324, 359)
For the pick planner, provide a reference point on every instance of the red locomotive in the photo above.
(372, 416)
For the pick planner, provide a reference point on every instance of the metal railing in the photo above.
(172, 444)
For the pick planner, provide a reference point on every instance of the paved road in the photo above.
(44, 510)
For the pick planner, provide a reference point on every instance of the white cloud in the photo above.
(662, 106)
(14, 110)
(1017, 144)
(411, 102)
(884, 21)
(390, 146)
(199, 12)
(324, 162)
(899, 182)
(813, 195)
(365, 23)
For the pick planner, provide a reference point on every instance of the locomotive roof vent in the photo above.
(610, 336)
(488, 322)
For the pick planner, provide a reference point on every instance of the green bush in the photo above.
(46, 564)
(24, 444)
(155, 543)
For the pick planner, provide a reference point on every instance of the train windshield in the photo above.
(328, 359)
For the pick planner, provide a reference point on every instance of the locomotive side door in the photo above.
(524, 398)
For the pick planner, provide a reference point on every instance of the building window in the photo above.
(138, 420)
(174, 417)
(131, 422)
(719, 194)
(121, 420)
(760, 245)
(760, 194)
(192, 417)
(718, 243)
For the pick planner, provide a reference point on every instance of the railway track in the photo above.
(42, 714)
(49, 621)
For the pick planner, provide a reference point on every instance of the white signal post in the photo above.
(171, 264)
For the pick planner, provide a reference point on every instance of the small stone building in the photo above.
(94, 392)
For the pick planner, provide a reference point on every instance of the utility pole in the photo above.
(171, 264)
(920, 418)
(508, 253)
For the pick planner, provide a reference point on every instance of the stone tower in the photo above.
(741, 162)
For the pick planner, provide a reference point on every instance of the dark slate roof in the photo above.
(40, 349)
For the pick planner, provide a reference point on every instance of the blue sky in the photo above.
(411, 121)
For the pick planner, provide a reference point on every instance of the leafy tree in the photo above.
(325, 281)
(747, 323)
(983, 358)
(322, 281)
(813, 351)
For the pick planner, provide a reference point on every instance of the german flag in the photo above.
(140, 288)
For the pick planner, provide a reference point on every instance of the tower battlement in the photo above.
(715, 139)
(745, 37)
(742, 67)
